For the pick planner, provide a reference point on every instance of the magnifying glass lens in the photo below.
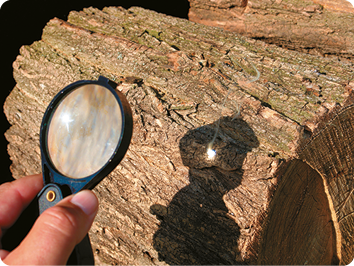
(84, 131)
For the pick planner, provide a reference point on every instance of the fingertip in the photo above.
(15, 196)
(36, 181)
(87, 201)
(3, 255)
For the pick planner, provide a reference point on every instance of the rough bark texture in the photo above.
(322, 27)
(167, 202)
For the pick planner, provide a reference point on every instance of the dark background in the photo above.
(22, 22)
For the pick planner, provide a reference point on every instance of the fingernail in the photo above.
(86, 201)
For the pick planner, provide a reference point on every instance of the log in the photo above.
(341, 5)
(168, 202)
(320, 27)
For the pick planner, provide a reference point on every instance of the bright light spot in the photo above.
(211, 153)
(66, 119)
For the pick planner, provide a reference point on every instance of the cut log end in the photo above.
(299, 225)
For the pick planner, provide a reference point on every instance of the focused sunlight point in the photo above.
(211, 153)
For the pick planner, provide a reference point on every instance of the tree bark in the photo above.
(320, 27)
(167, 202)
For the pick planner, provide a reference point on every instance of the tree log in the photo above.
(167, 201)
(321, 27)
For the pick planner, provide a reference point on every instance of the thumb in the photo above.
(57, 231)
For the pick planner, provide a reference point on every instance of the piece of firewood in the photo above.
(320, 27)
(336, 5)
(167, 202)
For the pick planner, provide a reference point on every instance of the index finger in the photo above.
(15, 197)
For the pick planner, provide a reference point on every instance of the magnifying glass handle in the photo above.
(82, 254)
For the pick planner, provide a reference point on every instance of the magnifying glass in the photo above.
(85, 133)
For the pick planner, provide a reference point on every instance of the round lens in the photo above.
(84, 131)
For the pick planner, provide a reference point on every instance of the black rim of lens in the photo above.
(50, 173)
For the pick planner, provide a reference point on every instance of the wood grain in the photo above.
(166, 196)
(299, 225)
(331, 153)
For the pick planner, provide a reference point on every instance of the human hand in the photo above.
(56, 231)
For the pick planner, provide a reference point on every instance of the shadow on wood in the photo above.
(197, 227)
